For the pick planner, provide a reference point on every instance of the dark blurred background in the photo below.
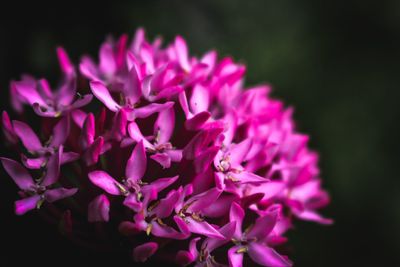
(337, 62)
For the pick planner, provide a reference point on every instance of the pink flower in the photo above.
(37, 191)
(174, 149)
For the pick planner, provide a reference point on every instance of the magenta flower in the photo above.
(174, 151)
(36, 192)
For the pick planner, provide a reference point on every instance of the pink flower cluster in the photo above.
(172, 148)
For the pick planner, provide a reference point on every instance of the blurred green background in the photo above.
(336, 62)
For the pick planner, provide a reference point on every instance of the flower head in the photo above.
(173, 149)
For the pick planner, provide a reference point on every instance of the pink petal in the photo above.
(202, 228)
(164, 126)
(313, 216)
(88, 68)
(161, 183)
(263, 226)
(248, 177)
(137, 163)
(27, 136)
(235, 259)
(52, 169)
(266, 256)
(197, 121)
(107, 60)
(60, 132)
(133, 88)
(59, 193)
(166, 205)
(18, 173)
(91, 155)
(88, 131)
(203, 200)
(204, 160)
(200, 99)
(131, 201)
(236, 214)
(143, 252)
(238, 152)
(24, 205)
(99, 208)
(102, 94)
(163, 159)
(8, 130)
(35, 163)
(28, 91)
(105, 182)
(118, 130)
(78, 116)
(65, 62)
(227, 231)
(67, 157)
(182, 53)
(167, 232)
(150, 109)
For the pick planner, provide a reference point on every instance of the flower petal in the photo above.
(182, 53)
(99, 209)
(102, 94)
(235, 259)
(164, 126)
(34, 164)
(236, 214)
(28, 138)
(197, 121)
(60, 132)
(24, 205)
(105, 182)
(52, 168)
(202, 228)
(18, 173)
(137, 163)
(150, 109)
(143, 252)
(59, 193)
(65, 63)
(200, 99)
(266, 256)
(91, 155)
(163, 159)
(263, 226)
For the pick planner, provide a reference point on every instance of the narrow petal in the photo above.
(131, 201)
(248, 177)
(238, 152)
(182, 53)
(99, 209)
(65, 63)
(27, 136)
(236, 214)
(60, 132)
(161, 183)
(205, 159)
(150, 109)
(203, 200)
(59, 193)
(67, 157)
(18, 173)
(136, 135)
(175, 154)
(91, 156)
(266, 256)
(263, 226)
(102, 94)
(310, 215)
(164, 126)
(166, 205)
(167, 232)
(52, 169)
(137, 163)
(143, 252)
(105, 182)
(24, 205)
(8, 129)
(34, 164)
(163, 159)
(235, 259)
(227, 231)
(197, 121)
(118, 130)
(28, 91)
(202, 228)
(200, 99)
(107, 61)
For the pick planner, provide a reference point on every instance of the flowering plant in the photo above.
(172, 150)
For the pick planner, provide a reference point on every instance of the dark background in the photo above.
(337, 62)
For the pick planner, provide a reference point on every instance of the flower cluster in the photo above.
(171, 148)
